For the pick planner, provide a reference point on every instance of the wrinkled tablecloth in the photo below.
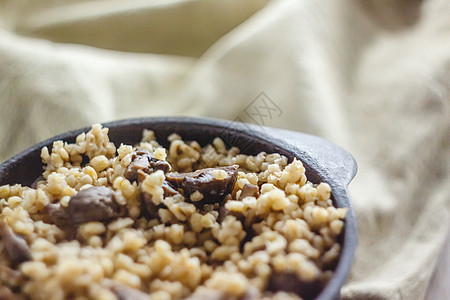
(371, 76)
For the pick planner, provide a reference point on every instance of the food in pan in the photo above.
(192, 222)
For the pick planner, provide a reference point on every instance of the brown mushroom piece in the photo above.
(212, 189)
(143, 160)
(224, 212)
(54, 213)
(96, 203)
(291, 283)
(249, 190)
(15, 246)
(151, 209)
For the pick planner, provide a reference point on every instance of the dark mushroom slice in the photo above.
(96, 203)
(151, 209)
(56, 214)
(15, 246)
(249, 190)
(212, 189)
(169, 190)
(291, 283)
(224, 212)
(143, 160)
(126, 293)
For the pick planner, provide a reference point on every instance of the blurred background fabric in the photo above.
(371, 76)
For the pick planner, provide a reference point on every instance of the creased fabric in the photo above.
(371, 76)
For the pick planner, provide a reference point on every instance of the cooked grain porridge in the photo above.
(187, 222)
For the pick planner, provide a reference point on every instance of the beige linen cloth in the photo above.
(371, 76)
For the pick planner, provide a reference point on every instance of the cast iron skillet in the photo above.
(323, 161)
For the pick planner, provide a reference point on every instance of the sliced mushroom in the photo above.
(143, 160)
(204, 181)
(151, 210)
(55, 213)
(96, 203)
(15, 246)
(291, 283)
(224, 212)
(249, 190)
